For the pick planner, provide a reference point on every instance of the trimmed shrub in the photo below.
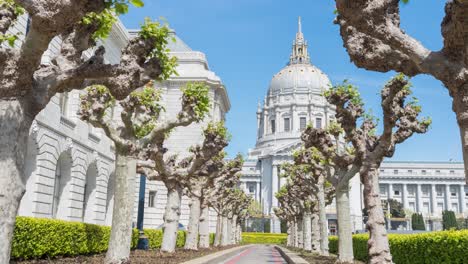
(433, 247)
(36, 238)
(263, 238)
(417, 222)
(449, 220)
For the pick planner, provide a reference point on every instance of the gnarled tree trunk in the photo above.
(315, 232)
(191, 241)
(171, 218)
(307, 231)
(14, 131)
(121, 232)
(296, 237)
(345, 236)
(460, 107)
(379, 249)
(204, 229)
(290, 234)
(323, 222)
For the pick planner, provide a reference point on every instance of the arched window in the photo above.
(62, 177)
(110, 199)
(89, 193)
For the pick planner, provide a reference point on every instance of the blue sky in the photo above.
(248, 41)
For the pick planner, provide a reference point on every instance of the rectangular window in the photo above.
(287, 125)
(453, 192)
(452, 172)
(318, 122)
(440, 191)
(438, 171)
(395, 171)
(426, 208)
(411, 190)
(440, 207)
(396, 192)
(410, 171)
(251, 188)
(425, 190)
(412, 206)
(273, 126)
(152, 199)
(382, 190)
(423, 172)
(303, 123)
(455, 207)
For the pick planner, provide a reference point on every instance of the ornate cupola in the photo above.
(299, 53)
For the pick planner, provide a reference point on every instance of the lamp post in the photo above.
(143, 242)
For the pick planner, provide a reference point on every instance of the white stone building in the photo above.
(70, 163)
(427, 188)
(294, 99)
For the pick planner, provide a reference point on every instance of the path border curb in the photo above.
(217, 256)
(291, 257)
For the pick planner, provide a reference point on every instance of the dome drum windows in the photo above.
(318, 122)
(302, 123)
(273, 126)
(287, 124)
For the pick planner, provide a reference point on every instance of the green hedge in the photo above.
(427, 248)
(36, 238)
(263, 238)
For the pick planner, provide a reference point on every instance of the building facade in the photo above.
(70, 164)
(294, 100)
(426, 187)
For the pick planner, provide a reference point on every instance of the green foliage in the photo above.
(36, 238)
(221, 130)
(396, 209)
(17, 10)
(433, 247)
(255, 209)
(264, 238)
(347, 89)
(417, 222)
(196, 98)
(449, 221)
(106, 19)
(159, 34)
(148, 98)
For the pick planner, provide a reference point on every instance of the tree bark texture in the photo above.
(171, 219)
(379, 249)
(14, 131)
(219, 231)
(121, 231)
(234, 232)
(300, 233)
(307, 231)
(204, 229)
(226, 231)
(323, 222)
(345, 236)
(315, 233)
(460, 107)
(191, 241)
(289, 239)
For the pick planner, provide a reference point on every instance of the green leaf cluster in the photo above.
(220, 130)
(18, 11)
(148, 98)
(196, 97)
(345, 89)
(9, 38)
(106, 19)
(159, 34)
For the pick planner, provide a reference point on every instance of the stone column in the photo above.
(257, 192)
(447, 197)
(462, 199)
(274, 187)
(404, 195)
(433, 199)
(419, 199)
(390, 191)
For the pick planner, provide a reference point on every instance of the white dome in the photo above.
(301, 78)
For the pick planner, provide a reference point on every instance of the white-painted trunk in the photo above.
(204, 229)
(233, 235)
(226, 231)
(219, 231)
(122, 214)
(300, 233)
(307, 231)
(239, 234)
(171, 219)
(345, 236)
(323, 222)
(14, 131)
(289, 238)
(296, 237)
(191, 241)
(315, 232)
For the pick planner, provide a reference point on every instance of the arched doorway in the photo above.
(61, 192)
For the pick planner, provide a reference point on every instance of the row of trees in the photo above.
(121, 100)
(331, 157)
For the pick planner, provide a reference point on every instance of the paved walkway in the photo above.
(258, 254)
